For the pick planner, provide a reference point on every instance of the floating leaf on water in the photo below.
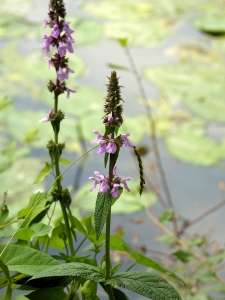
(194, 149)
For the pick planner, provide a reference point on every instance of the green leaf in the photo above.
(80, 228)
(26, 260)
(53, 293)
(211, 24)
(194, 149)
(166, 216)
(22, 234)
(117, 243)
(5, 271)
(40, 229)
(168, 239)
(4, 211)
(206, 276)
(44, 172)
(64, 161)
(102, 208)
(73, 269)
(115, 269)
(117, 67)
(183, 255)
(146, 284)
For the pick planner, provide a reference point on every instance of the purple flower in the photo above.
(67, 29)
(47, 22)
(126, 142)
(115, 190)
(55, 31)
(50, 63)
(99, 136)
(69, 91)
(62, 49)
(104, 186)
(47, 43)
(69, 45)
(61, 75)
(47, 118)
(68, 70)
(123, 181)
(110, 119)
(102, 147)
(111, 147)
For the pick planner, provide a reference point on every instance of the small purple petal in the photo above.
(61, 75)
(115, 190)
(123, 181)
(102, 147)
(104, 187)
(47, 118)
(55, 31)
(110, 119)
(67, 29)
(126, 142)
(69, 46)
(47, 22)
(111, 147)
(99, 136)
(69, 91)
(50, 63)
(62, 49)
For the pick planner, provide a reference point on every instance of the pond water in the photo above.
(194, 189)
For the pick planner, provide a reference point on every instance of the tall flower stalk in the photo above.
(110, 187)
(61, 39)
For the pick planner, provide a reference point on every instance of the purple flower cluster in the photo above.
(105, 185)
(109, 145)
(60, 38)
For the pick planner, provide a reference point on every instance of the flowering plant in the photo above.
(67, 275)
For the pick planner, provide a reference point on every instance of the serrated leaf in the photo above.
(115, 268)
(26, 260)
(117, 243)
(183, 255)
(52, 293)
(102, 208)
(44, 173)
(146, 284)
(73, 269)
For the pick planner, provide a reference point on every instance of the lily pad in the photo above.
(182, 84)
(131, 10)
(214, 25)
(127, 203)
(136, 33)
(195, 150)
(87, 31)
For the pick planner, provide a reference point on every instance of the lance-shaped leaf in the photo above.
(26, 260)
(117, 243)
(52, 293)
(146, 284)
(73, 269)
(102, 208)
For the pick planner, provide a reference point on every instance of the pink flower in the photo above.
(61, 75)
(111, 147)
(104, 186)
(55, 31)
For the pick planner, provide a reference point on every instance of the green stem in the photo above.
(59, 186)
(81, 244)
(107, 238)
(68, 231)
(107, 247)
